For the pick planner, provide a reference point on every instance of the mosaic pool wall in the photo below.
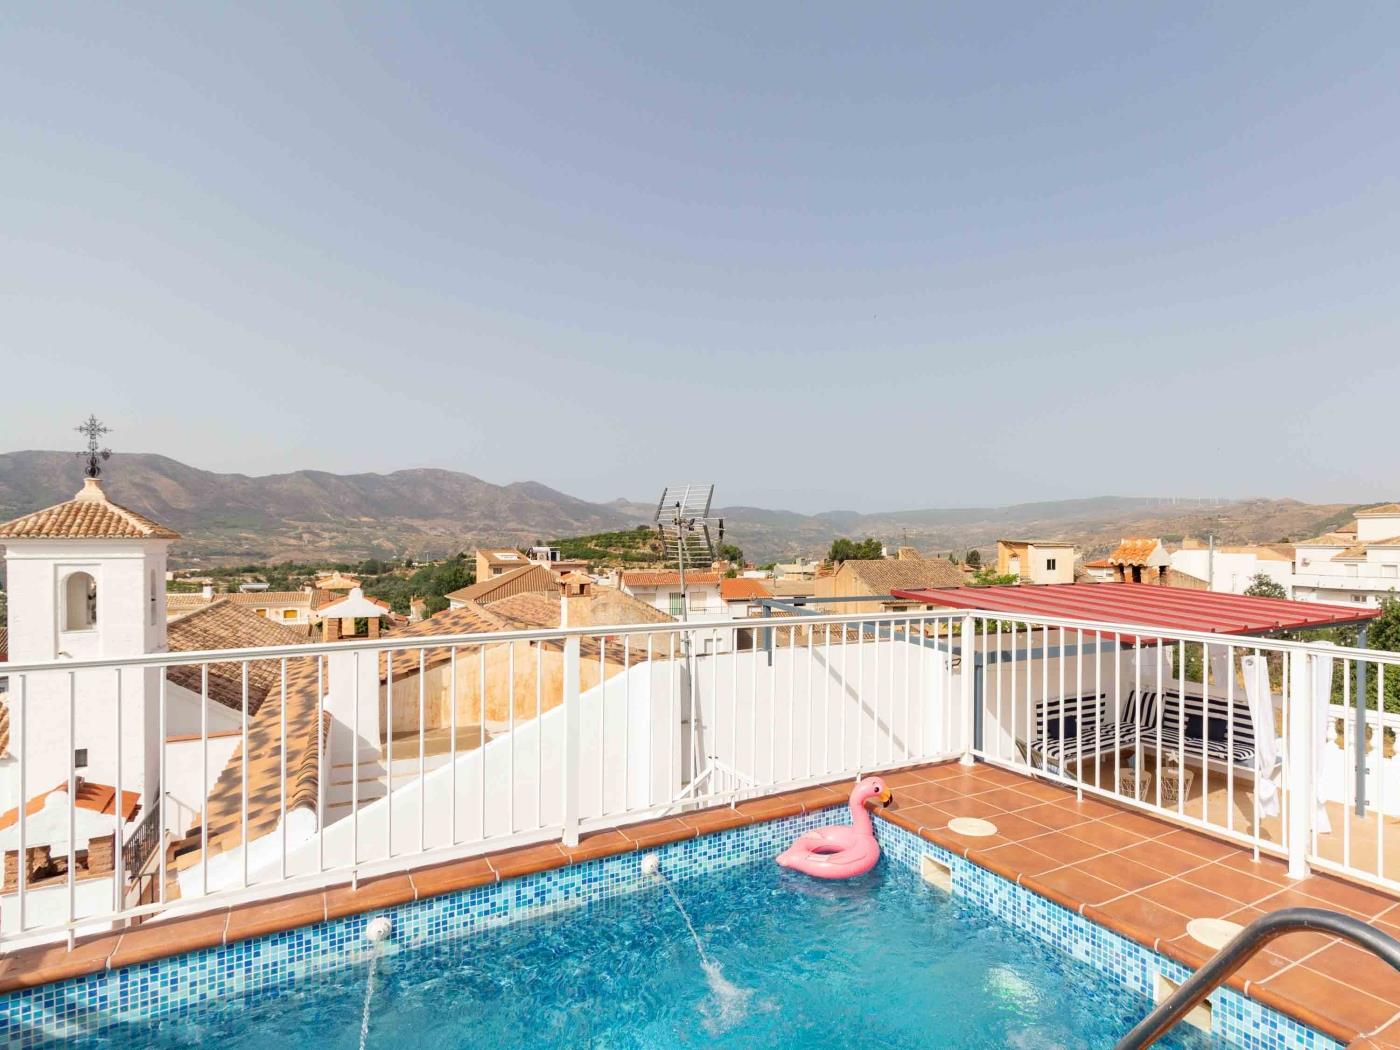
(1242, 1021)
(104, 1002)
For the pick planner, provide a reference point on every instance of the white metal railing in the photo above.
(323, 763)
(261, 770)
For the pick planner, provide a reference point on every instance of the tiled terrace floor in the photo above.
(1144, 878)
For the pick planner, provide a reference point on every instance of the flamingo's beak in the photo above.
(885, 797)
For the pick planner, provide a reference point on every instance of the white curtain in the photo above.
(1322, 730)
(1266, 743)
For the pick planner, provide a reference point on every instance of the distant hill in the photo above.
(314, 515)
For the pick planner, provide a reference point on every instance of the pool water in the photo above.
(882, 961)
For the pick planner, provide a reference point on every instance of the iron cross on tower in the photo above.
(94, 454)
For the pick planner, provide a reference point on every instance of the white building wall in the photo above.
(643, 735)
(128, 623)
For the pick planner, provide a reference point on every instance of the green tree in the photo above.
(844, 549)
(974, 559)
(1262, 585)
(730, 553)
(991, 578)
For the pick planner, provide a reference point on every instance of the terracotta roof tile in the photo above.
(1134, 550)
(1384, 510)
(224, 625)
(741, 589)
(1358, 552)
(883, 575)
(525, 578)
(667, 578)
(89, 515)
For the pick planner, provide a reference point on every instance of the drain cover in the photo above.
(1213, 933)
(974, 827)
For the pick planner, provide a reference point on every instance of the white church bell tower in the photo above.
(86, 580)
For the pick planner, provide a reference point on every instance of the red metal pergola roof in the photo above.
(1145, 605)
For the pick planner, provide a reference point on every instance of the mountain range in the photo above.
(315, 515)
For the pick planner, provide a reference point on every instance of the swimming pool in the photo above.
(880, 961)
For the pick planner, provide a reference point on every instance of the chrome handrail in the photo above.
(1240, 950)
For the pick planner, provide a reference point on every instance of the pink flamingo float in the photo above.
(841, 851)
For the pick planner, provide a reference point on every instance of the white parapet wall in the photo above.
(644, 736)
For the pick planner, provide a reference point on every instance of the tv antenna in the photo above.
(683, 522)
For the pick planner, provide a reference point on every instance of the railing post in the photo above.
(571, 772)
(969, 673)
(1301, 741)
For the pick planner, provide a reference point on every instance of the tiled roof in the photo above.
(303, 738)
(502, 556)
(184, 602)
(1385, 510)
(1358, 552)
(665, 578)
(1135, 550)
(1336, 538)
(741, 589)
(1100, 563)
(883, 575)
(99, 798)
(89, 515)
(224, 625)
(526, 578)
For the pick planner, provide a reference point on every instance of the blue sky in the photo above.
(826, 255)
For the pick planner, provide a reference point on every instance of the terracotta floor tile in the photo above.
(1388, 1038)
(1342, 894)
(970, 806)
(1052, 816)
(658, 832)
(1190, 952)
(1292, 946)
(996, 776)
(456, 875)
(1292, 898)
(155, 940)
(1089, 807)
(920, 816)
(772, 807)
(1014, 828)
(820, 797)
(717, 818)
(1104, 836)
(380, 892)
(1266, 867)
(946, 771)
(1012, 860)
(905, 778)
(529, 859)
(600, 844)
(960, 844)
(1071, 887)
(1198, 845)
(1162, 858)
(1121, 872)
(1230, 882)
(35, 966)
(1138, 918)
(1009, 799)
(1311, 993)
(1045, 792)
(1351, 965)
(1138, 824)
(1192, 901)
(925, 792)
(1063, 848)
(263, 917)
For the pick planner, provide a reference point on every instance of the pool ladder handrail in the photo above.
(1240, 950)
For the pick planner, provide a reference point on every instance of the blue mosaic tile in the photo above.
(1235, 1018)
(250, 970)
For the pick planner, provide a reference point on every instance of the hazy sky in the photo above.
(827, 255)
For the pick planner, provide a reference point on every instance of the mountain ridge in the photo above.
(432, 511)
